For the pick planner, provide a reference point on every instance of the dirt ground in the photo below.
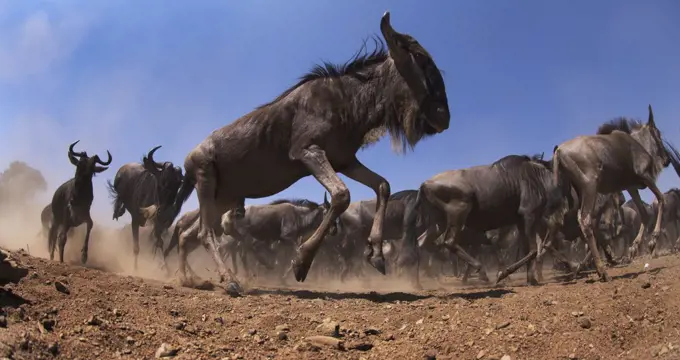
(104, 315)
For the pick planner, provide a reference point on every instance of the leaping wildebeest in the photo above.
(514, 190)
(625, 154)
(72, 201)
(140, 185)
(316, 128)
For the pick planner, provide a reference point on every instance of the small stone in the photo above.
(481, 354)
(584, 322)
(48, 324)
(372, 331)
(282, 327)
(506, 357)
(129, 340)
(361, 346)
(576, 313)
(663, 351)
(665, 288)
(572, 356)
(389, 337)
(321, 341)
(62, 288)
(117, 312)
(93, 320)
(329, 328)
(420, 321)
(53, 349)
(646, 285)
(488, 331)
(252, 332)
(446, 317)
(503, 325)
(165, 350)
(282, 335)
(126, 352)
(431, 354)
(180, 325)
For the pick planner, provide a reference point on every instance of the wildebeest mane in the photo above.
(621, 123)
(297, 202)
(360, 61)
(404, 195)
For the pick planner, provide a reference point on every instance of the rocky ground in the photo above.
(72, 312)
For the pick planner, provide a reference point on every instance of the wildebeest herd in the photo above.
(519, 207)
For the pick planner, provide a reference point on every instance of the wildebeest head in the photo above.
(649, 136)
(169, 176)
(416, 66)
(85, 165)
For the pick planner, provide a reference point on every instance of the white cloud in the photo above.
(40, 42)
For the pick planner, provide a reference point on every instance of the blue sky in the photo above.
(521, 76)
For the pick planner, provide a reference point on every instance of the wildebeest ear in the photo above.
(99, 169)
(555, 148)
(650, 120)
(325, 200)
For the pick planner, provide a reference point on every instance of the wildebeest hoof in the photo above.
(605, 277)
(300, 269)
(499, 276)
(378, 262)
(234, 289)
(83, 258)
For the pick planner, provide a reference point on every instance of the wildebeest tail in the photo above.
(118, 206)
(557, 202)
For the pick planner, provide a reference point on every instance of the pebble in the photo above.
(329, 328)
(481, 354)
(320, 340)
(646, 285)
(431, 355)
(506, 357)
(165, 350)
(130, 340)
(62, 288)
(584, 322)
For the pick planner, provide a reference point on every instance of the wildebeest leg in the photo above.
(661, 205)
(314, 158)
(135, 241)
(360, 173)
(209, 220)
(61, 239)
(644, 220)
(188, 241)
(52, 239)
(587, 222)
(86, 244)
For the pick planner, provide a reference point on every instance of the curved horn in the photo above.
(107, 162)
(650, 120)
(150, 155)
(73, 153)
(386, 27)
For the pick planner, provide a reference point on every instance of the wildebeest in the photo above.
(514, 190)
(624, 155)
(72, 201)
(316, 128)
(608, 215)
(140, 185)
(185, 238)
(355, 224)
(286, 220)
